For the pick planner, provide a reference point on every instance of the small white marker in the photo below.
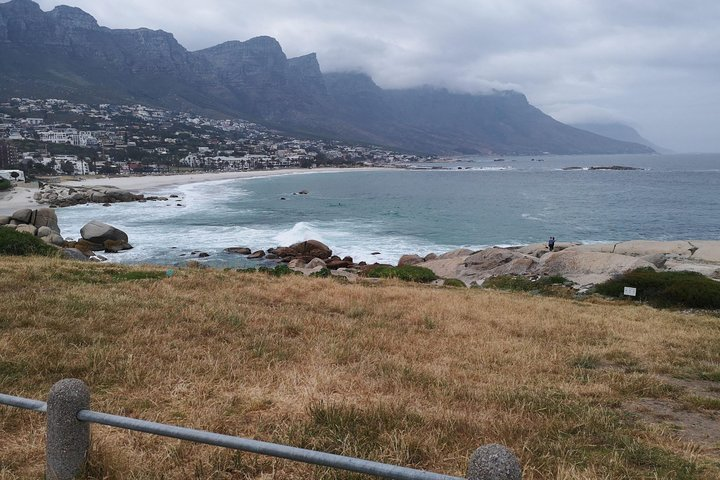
(630, 291)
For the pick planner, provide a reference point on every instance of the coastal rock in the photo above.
(74, 254)
(239, 250)
(88, 248)
(657, 259)
(708, 251)
(537, 250)
(297, 263)
(4, 219)
(338, 263)
(44, 232)
(430, 256)
(351, 277)
(589, 267)
(460, 252)
(640, 248)
(54, 239)
(594, 247)
(31, 229)
(316, 262)
(22, 216)
(491, 258)
(97, 232)
(410, 260)
(115, 246)
(446, 267)
(46, 217)
(311, 248)
(257, 254)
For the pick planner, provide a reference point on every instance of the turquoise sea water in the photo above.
(469, 202)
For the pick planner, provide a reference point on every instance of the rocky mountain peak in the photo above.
(21, 7)
(72, 17)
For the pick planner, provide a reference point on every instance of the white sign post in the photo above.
(630, 291)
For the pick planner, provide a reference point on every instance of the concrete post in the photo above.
(494, 462)
(68, 439)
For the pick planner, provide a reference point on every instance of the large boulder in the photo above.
(708, 251)
(74, 254)
(97, 232)
(460, 252)
(4, 219)
(446, 267)
(22, 216)
(410, 260)
(640, 248)
(240, 250)
(494, 257)
(311, 249)
(46, 217)
(589, 267)
(44, 232)
(27, 229)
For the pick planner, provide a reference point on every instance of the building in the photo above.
(8, 155)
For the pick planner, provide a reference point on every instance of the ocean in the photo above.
(379, 215)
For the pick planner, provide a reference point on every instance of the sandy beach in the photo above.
(22, 195)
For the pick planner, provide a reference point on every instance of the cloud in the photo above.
(648, 63)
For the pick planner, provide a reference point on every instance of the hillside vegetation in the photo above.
(399, 372)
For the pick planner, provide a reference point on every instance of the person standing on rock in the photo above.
(551, 244)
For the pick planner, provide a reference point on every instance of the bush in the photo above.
(666, 289)
(454, 282)
(409, 273)
(277, 271)
(517, 283)
(322, 273)
(5, 184)
(19, 243)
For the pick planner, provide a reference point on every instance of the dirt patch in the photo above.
(697, 425)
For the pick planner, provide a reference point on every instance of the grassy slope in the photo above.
(402, 373)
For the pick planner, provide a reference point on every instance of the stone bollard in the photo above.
(494, 462)
(68, 439)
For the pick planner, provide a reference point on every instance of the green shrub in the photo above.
(19, 243)
(5, 184)
(277, 271)
(454, 282)
(666, 289)
(519, 283)
(409, 273)
(322, 273)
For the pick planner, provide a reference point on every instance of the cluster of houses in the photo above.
(81, 139)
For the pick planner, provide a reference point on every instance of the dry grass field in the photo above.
(400, 373)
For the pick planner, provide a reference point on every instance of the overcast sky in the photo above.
(652, 64)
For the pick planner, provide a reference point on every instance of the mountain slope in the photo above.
(619, 131)
(64, 53)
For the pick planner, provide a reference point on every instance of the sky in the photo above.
(651, 64)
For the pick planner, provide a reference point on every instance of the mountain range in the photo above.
(64, 53)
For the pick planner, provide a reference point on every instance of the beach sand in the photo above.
(21, 196)
(18, 198)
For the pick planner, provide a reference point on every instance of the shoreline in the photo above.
(21, 196)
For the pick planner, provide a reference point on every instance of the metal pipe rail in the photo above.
(26, 403)
(263, 448)
(68, 438)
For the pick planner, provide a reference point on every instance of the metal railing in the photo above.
(68, 441)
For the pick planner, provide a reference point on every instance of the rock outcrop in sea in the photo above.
(57, 195)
